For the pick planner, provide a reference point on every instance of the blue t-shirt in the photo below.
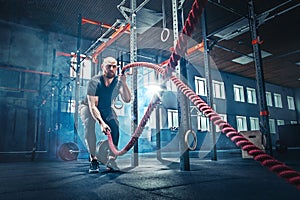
(106, 95)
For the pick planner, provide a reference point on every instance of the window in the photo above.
(291, 104)
(254, 123)
(200, 86)
(272, 126)
(71, 106)
(294, 122)
(171, 86)
(203, 122)
(224, 117)
(172, 118)
(251, 95)
(218, 89)
(241, 122)
(269, 99)
(238, 93)
(85, 68)
(277, 100)
(280, 122)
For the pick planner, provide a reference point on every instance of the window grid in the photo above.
(254, 123)
(171, 86)
(172, 118)
(238, 93)
(269, 99)
(291, 104)
(277, 100)
(218, 89)
(241, 122)
(272, 126)
(251, 95)
(280, 122)
(202, 122)
(200, 86)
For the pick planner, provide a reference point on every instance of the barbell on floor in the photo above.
(69, 151)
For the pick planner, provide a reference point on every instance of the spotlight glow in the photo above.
(152, 89)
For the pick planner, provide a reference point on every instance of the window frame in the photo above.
(291, 103)
(174, 122)
(252, 92)
(241, 94)
(269, 99)
(280, 122)
(221, 93)
(277, 100)
(200, 119)
(272, 126)
(244, 123)
(197, 86)
(256, 123)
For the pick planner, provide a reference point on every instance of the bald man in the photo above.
(97, 107)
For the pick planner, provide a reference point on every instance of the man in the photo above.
(97, 106)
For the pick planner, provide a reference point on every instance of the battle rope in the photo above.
(181, 44)
(155, 100)
(266, 160)
(259, 155)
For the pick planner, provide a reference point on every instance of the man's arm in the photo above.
(93, 102)
(124, 90)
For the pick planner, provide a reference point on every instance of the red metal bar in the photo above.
(68, 54)
(191, 50)
(17, 89)
(199, 47)
(25, 70)
(85, 20)
(119, 32)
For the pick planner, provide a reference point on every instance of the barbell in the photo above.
(69, 151)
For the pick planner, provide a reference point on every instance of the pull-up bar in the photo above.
(113, 38)
(104, 25)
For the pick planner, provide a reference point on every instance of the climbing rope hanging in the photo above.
(259, 155)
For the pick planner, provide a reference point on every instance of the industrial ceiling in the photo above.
(227, 27)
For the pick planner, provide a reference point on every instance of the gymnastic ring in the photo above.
(192, 148)
(118, 106)
(162, 34)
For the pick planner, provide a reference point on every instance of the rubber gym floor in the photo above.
(230, 177)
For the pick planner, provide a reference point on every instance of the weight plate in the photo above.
(102, 151)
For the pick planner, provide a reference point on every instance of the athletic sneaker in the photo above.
(94, 167)
(112, 165)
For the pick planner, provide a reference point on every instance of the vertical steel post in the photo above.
(185, 121)
(158, 143)
(77, 78)
(157, 123)
(209, 82)
(264, 113)
(184, 107)
(133, 58)
(58, 122)
(52, 133)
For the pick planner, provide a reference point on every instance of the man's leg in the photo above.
(90, 136)
(114, 126)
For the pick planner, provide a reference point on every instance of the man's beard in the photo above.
(110, 75)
